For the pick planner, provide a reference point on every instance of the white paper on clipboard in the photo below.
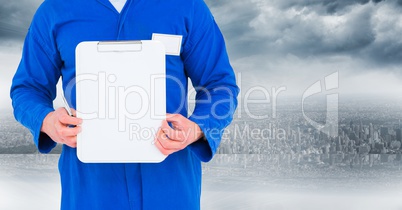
(121, 97)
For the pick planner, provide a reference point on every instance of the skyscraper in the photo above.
(398, 134)
(383, 132)
(371, 131)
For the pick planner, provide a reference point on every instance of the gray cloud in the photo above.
(362, 29)
(233, 18)
(15, 17)
(328, 6)
(331, 6)
(358, 29)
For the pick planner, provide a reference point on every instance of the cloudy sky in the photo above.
(277, 43)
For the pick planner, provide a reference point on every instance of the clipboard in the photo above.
(121, 97)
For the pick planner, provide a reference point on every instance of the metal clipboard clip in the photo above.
(119, 46)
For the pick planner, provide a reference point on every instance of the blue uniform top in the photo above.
(49, 53)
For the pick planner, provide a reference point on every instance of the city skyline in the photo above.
(287, 122)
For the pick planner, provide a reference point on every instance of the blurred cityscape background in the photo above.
(368, 134)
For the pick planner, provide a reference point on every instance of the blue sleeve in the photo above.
(207, 64)
(33, 87)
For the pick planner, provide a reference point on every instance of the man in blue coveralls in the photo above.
(49, 53)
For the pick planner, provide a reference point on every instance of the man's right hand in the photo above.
(57, 125)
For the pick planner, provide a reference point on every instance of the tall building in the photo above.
(376, 136)
(398, 134)
(298, 135)
(383, 132)
(357, 129)
(371, 130)
(351, 125)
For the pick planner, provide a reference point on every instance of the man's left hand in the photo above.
(182, 133)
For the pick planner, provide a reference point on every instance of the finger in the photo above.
(68, 120)
(177, 126)
(165, 126)
(174, 117)
(184, 129)
(70, 141)
(68, 131)
(162, 149)
(175, 135)
(74, 112)
(161, 137)
(158, 135)
(169, 144)
(166, 129)
(178, 121)
(167, 149)
(178, 135)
